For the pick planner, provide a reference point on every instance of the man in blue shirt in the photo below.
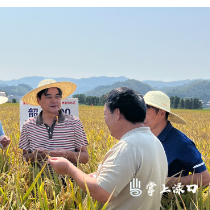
(182, 155)
(4, 140)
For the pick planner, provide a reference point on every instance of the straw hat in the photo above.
(67, 89)
(160, 100)
(3, 99)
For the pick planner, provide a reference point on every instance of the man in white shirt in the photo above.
(132, 172)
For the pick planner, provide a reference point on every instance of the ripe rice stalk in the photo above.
(27, 187)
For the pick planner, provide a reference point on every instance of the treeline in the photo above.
(91, 100)
(176, 102)
(187, 103)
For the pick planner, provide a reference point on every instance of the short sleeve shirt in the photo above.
(68, 134)
(181, 152)
(137, 157)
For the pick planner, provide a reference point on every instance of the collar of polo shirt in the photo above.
(162, 136)
(61, 118)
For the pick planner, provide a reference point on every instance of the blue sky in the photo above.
(164, 44)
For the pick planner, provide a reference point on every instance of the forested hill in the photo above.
(134, 84)
(196, 89)
(161, 84)
(83, 84)
(19, 90)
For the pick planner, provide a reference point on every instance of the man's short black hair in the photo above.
(157, 110)
(39, 94)
(130, 103)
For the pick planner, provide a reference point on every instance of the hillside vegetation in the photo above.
(142, 88)
(197, 89)
(19, 90)
(83, 84)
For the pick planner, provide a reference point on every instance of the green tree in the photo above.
(172, 102)
(92, 100)
(102, 100)
(200, 104)
(81, 98)
(96, 100)
(191, 103)
(176, 102)
(187, 103)
(88, 100)
(14, 100)
(195, 103)
(181, 103)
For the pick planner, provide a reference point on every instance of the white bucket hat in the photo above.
(3, 99)
(67, 89)
(160, 100)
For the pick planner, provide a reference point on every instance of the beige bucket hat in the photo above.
(67, 89)
(160, 100)
(3, 99)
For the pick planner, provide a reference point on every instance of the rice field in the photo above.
(23, 186)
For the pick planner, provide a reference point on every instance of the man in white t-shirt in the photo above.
(132, 172)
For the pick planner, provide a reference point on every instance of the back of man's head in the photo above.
(130, 103)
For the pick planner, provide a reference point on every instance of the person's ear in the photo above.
(162, 114)
(38, 100)
(117, 114)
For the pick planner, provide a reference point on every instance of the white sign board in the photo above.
(69, 106)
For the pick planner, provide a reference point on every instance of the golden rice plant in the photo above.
(23, 186)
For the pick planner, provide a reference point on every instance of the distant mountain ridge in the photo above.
(142, 88)
(97, 86)
(83, 85)
(91, 82)
(161, 84)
